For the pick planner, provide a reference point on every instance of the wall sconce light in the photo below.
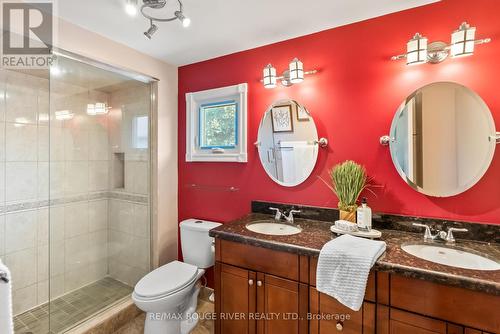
(463, 42)
(64, 115)
(97, 108)
(293, 75)
(296, 69)
(269, 76)
(416, 50)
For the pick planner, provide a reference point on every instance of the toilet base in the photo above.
(174, 323)
(154, 326)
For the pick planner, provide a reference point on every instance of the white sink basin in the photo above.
(272, 228)
(451, 257)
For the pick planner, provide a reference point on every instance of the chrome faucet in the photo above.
(428, 236)
(278, 214)
(290, 218)
(449, 236)
(445, 236)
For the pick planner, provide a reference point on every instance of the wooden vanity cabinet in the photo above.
(253, 283)
(251, 300)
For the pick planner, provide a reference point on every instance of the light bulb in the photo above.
(131, 7)
(130, 10)
(186, 21)
(55, 70)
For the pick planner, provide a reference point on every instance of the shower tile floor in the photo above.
(72, 308)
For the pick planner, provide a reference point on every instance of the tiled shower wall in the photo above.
(81, 199)
(129, 227)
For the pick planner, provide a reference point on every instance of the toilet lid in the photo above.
(166, 279)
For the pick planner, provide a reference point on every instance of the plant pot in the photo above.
(348, 215)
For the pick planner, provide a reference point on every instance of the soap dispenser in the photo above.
(364, 216)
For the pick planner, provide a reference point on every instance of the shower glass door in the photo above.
(76, 225)
(24, 193)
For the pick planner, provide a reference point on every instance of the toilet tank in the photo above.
(196, 244)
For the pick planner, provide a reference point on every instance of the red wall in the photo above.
(353, 99)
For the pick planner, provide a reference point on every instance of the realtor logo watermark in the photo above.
(27, 34)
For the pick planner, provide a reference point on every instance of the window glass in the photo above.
(218, 123)
(140, 132)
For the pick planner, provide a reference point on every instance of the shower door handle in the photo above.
(3, 277)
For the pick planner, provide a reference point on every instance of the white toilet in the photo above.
(169, 294)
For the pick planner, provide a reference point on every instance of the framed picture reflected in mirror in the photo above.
(282, 118)
(302, 115)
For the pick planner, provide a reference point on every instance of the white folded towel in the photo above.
(343, 267)
(6, 325)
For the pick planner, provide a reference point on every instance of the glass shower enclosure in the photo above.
(75, 171)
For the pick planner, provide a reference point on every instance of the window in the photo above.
(218, 125)
(140, 128)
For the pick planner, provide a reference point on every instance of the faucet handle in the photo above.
(278, 214)
(290, 217)
(428, 234)
(449, 235)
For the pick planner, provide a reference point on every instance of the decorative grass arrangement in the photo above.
(347, 181)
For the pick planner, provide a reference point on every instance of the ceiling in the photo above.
(221, 27)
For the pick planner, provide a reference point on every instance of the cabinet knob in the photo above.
(259, 283)
(250, 282)
(339, 326)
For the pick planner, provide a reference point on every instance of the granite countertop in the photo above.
(316, 233)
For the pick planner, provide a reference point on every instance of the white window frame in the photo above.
(194, 101)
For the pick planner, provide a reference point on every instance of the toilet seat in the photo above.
(165, 280)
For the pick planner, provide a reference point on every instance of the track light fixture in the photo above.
(186, 21)
(463, 42)
(152, 29)
(159, 4)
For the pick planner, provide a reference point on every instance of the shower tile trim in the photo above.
(30, 205)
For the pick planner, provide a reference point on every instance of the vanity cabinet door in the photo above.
(328, 316)
(282, 303)
(235, 300)
(402, 322)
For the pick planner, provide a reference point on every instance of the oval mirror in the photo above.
(287, 143)
(442, 139)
